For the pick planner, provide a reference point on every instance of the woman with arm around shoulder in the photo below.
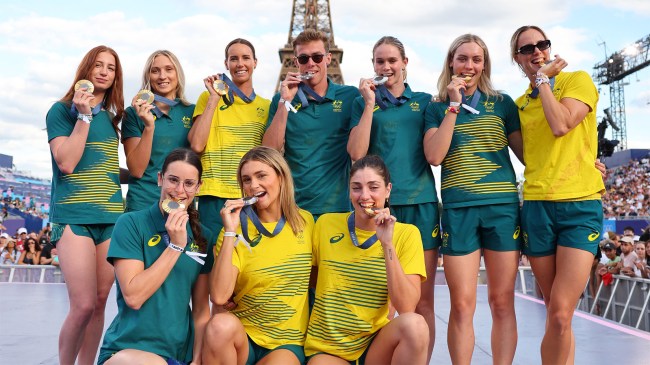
(562, 213)
(388, 121)
(82, 130)
(366, 262)
(479, 193)
(153, 128)
(263, 265)
(162, 262)
(227, 123)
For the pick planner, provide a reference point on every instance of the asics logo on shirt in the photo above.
(592, 237)
(224, 107)
(337, 238)
(154, 240)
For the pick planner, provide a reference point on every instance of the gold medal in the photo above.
(169, 204)
(371, 211)
(220, 87)
(84, 84)
(145, 95)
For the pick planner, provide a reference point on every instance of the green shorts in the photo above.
(257, 352)
(493, 227)
(547, 224)
(360, 361)
(426, 217)
(210, 212)
(98, 232)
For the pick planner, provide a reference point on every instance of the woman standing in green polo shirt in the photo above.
(159, 255)
(82, 130)
(388, 121)
(151, 130)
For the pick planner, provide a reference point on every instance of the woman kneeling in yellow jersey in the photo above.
(366, 261)
(264, 266)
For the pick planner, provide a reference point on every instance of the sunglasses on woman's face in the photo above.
(530, 48)
(303, 58)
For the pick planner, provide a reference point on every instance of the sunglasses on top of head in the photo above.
(303, 58)
(530, 48)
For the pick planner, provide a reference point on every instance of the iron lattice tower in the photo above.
(612, 72)
(310, 14)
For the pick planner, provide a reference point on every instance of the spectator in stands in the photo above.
(628, 190)
(628, 256)
(612, 263)
(21, 236)
(640, 269)
(32, 253)
(49, 254)
(628, 231)
(10, 254)
(4, 238)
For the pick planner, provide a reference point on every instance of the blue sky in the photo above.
(42, 42)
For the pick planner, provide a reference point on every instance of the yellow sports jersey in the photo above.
(561, 168)
(235, 130)
(351, 291)
(271, 288)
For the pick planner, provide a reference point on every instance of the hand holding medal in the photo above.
(176, 221)
(385, 223)
(143, 104)
(83, 96)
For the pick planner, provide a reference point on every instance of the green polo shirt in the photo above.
(170, 132)
(477, 169)
(396, 136)
(163, 325)
(315, 147)
(91, 194)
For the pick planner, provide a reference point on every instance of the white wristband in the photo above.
(287, 105)
(175, 248)
(230, 234)
(454, 103)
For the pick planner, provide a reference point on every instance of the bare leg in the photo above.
(402, 341)
(501, 274)
(225, 341)
(78, 264)
(425, 305)
(131, 356)
(461, 273)
(95, 328)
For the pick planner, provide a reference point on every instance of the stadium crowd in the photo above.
(628, 190)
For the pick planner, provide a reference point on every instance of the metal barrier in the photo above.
(30, 274)
(625, 301)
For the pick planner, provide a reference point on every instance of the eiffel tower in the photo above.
(310, 14)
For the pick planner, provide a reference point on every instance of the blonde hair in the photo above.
(146, 73)
(274, 160)
(515, 39)
(484, 83)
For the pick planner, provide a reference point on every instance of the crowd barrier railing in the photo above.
(30, 274)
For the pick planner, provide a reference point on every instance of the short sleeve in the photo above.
(201, 104)
(273, 108)
(126, 242)
(581, 87)
(433, 115)
(357, 111)
(132, 125)
(511, 116)
(58, 121)
(410, 251)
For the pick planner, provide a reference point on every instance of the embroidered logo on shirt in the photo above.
(445, 239)
(337, 238)
(186, 122)
(489, 106)
(337, 105)
(154, 240)
(415, 106)
(260, 112)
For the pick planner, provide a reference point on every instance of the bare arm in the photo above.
(516, 144)
(138, 149)
(438, 140)
(200, 131)
(359, 139)
(200, 314)
(403, 289)
(275, 133)
(21, 259)
(139, 284)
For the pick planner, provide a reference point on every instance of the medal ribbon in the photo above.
(232, 87)
(98, 108)
(196, 256)
(304, 88)
(353, 235)
(382, 92)
(156, 111)
(471, 107)
(535, 91)
(248, 212)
